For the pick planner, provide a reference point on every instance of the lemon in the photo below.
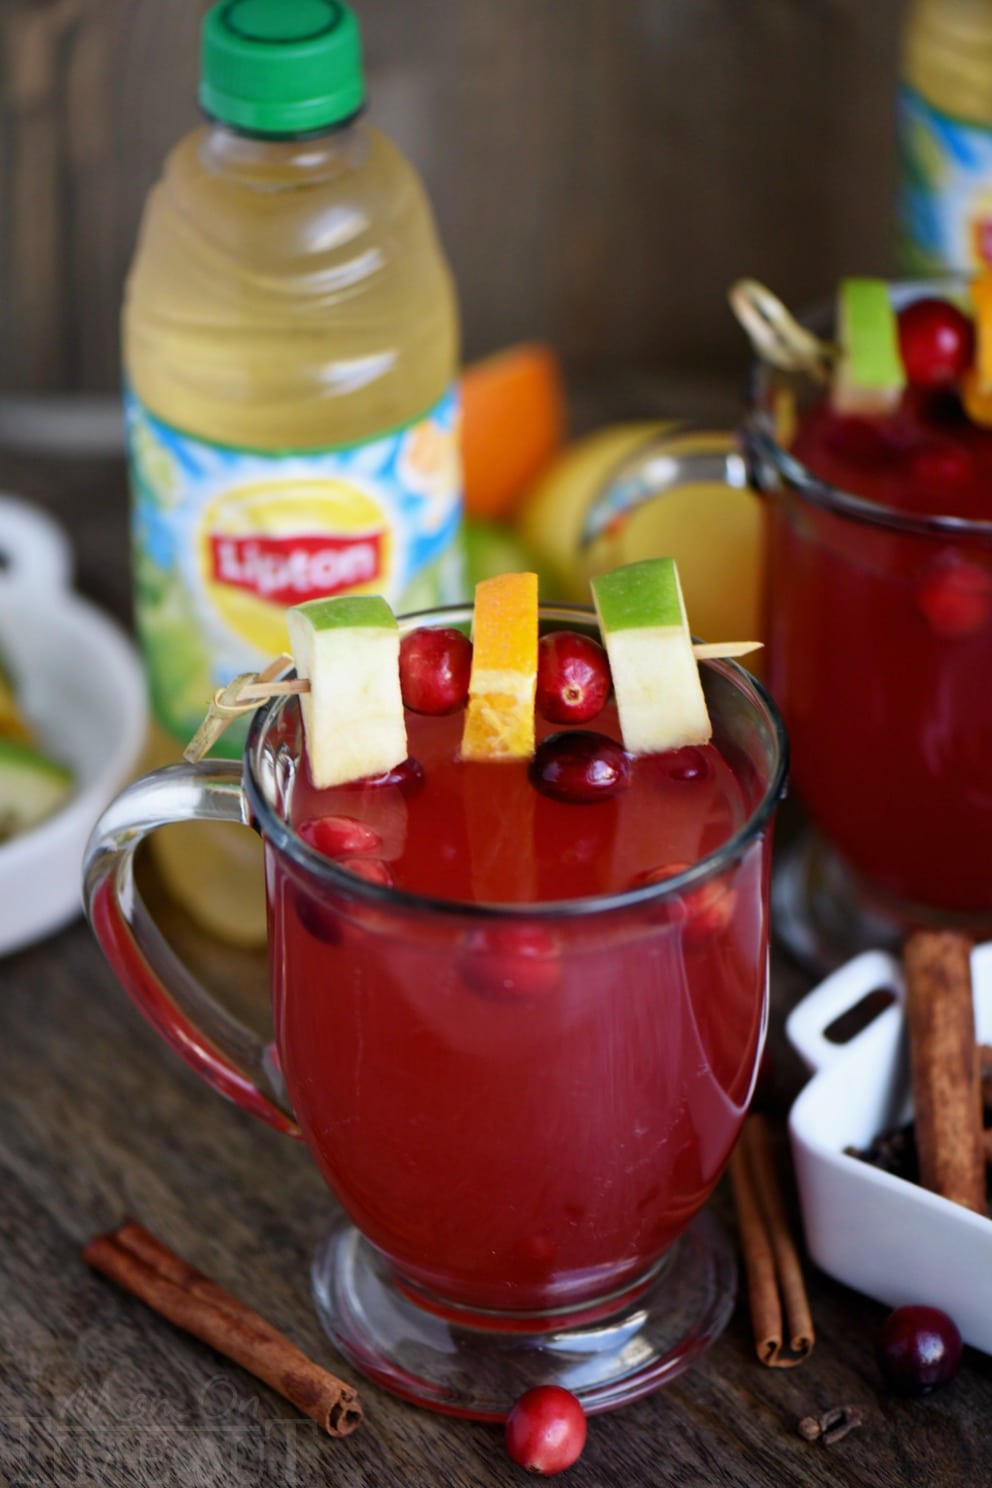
(714, 533)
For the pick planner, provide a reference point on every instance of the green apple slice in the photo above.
(348, 648)
(32, 786)
(655, 674)
(869, 377)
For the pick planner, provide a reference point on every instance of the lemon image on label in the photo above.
(154, 466)
(427, 464)
(272, 544)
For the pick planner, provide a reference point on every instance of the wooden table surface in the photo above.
(98, 1119)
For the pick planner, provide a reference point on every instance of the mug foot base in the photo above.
(823, 914)
(476, 1365)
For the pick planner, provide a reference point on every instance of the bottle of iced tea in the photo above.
(945, 137)
(290, 349)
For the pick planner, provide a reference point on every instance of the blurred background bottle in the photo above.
(945, 137)
(290, 353)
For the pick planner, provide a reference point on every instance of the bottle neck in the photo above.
(947, 57)
(264, 163)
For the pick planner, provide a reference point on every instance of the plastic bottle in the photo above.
(945, 137)
(290, 350)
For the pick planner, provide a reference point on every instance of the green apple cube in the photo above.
(32, 786)
(869, 377)
(348, 648)
(655, 674)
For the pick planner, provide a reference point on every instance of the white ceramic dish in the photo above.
(81, 686)
(880, 1234)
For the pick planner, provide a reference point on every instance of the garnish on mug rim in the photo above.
(775, 333)
(243, 695)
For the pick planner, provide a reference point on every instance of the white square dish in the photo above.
(879, 1233)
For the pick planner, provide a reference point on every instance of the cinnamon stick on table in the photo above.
(944, 1066)
(780, 1315)
(133, 1258)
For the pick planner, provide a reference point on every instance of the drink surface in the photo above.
(878, 641)
(544, 1102)
(290, 345)
(926, 457)
(482, 833)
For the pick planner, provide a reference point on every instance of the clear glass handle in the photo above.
(679, 457)
(227, 1055)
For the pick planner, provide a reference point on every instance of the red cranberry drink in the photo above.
(880, 602)
(543, 1100)
(518, 912)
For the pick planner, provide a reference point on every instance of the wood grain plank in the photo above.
(600, 172)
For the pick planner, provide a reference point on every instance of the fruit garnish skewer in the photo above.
(245, 692)
(929, 343)
(349, 658)
(776, 335)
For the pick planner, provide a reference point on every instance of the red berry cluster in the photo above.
(573, 674)
(573, 685)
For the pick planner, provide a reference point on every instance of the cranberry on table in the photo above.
(435, 663)
(573, 677)
(580, 767)
(936, 342)
(546, 1430)
(919, 1349)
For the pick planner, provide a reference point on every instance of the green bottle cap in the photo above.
(281, 67)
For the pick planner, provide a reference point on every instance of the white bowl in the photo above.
(81, 685)
(878, 1233)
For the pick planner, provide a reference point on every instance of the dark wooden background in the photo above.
(601, 169)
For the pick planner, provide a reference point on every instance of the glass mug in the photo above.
(883, 695)
(521, 1109)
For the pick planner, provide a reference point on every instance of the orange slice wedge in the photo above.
(499, 719)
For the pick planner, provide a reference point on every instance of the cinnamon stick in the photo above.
(137, 1261)
(944, 1066)
(780, 1315)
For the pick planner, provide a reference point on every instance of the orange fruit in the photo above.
(513, 424)
(499, 719)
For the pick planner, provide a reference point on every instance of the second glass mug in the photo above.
(523, 1172)
(888, 710)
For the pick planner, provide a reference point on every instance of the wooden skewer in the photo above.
(259, 691)
(704, 651)
(241, 695)
(714, 650)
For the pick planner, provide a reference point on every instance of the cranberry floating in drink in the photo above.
(519, 1008)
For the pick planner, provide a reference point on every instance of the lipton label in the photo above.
(224, 540)
(945, 204)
